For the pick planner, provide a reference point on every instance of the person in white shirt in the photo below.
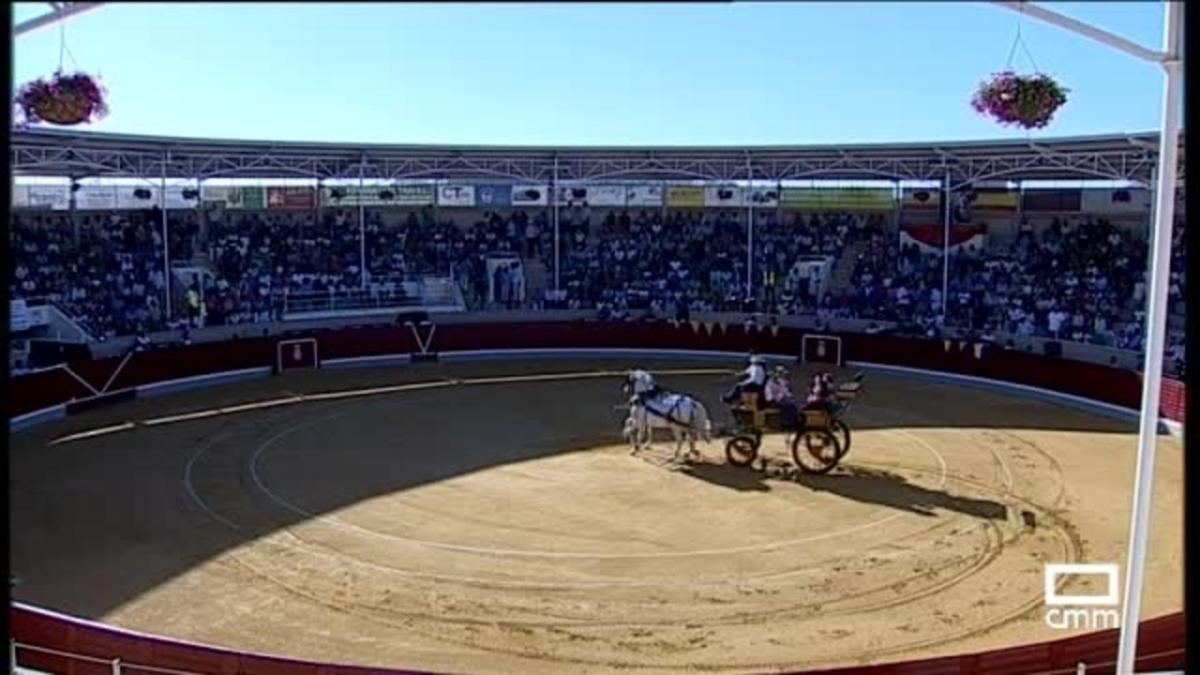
(754, 379)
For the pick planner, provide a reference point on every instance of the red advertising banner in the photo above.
(1173, 400)
(291, 198)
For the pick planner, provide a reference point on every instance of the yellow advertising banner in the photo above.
(687, 197)
(840, 199)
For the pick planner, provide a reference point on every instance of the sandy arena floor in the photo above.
(501, 527)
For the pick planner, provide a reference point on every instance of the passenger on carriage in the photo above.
(754, 379)
(779, 395)
(820, 393)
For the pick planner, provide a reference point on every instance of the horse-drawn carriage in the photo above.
(819, 439)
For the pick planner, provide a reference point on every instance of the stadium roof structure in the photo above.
(45, 152)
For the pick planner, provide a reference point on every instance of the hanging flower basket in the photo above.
(1028, 101)
(64, 99)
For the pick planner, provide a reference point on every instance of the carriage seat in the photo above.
(757, 414)
(848, 390)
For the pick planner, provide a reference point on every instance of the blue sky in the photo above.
(591, 74)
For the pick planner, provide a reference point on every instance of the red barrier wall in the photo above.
(1160, 647)
(1110, 385)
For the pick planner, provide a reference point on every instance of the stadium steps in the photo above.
(843, 269)
(536, 276)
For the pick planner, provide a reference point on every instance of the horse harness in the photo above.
(665, 415)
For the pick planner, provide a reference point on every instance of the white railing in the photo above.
(117, 665)
(381, 297)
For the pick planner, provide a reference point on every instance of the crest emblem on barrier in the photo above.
(821, 349)
(297, 353)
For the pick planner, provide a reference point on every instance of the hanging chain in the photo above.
(1018, 40)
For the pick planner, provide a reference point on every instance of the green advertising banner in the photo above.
(837, 199)
(377, 195)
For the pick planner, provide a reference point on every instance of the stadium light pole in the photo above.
(1171, 61)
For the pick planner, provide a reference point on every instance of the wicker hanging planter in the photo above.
(64, 99)
(1027, 101)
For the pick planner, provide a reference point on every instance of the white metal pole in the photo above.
(65, 11)
(1156, 327)
(162, 201)
(946, 206)
(362, 229)
(553, 196)
(749, 233)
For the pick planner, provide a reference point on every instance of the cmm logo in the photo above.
(1089, 612)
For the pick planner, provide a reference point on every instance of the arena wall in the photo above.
(61, 391)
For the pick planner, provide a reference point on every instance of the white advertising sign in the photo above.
(606, 195)
(96, 197)
(176, 200)
(128, 197)
(530, 195)
(724, 196)
(54, 197)
(456, 195)
(764, 198)
(644, 195)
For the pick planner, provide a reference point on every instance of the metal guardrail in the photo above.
(117, 665)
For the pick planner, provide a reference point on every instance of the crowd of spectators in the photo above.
(1077, 279)
(104, 269)
(695, 261)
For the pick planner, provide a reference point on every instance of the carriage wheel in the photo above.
(741, 450)
(839, 427)
(816, 450)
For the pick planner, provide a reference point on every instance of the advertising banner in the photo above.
(644, 195)
(181, 197)
(1173, 400)
(606, 195)
(1131, 201)
(921, 199)
(988, 199)
(685, 196)
(215, 196)
(573, 195)
(931, 238)
(721, 196)
(137, 197)
(407, 195)
(350, 195)
(764, 198)
(456, 195)
(530, 195)
(20, 196)
(96, 197)
(1053, 201)
(493, 196)
(247, 197)
(53, 197)
(298, 198)
(837, 199)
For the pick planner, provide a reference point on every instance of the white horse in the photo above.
(683, 415)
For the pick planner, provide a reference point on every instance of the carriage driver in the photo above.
(754, 378)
